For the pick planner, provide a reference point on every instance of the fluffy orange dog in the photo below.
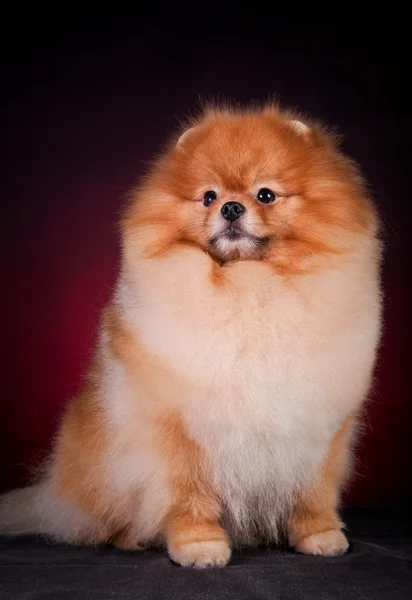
(234, 357)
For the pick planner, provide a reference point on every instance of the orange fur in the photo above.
(195, 512)
(78, 468)
(316, 184)
(77, 464)
(315, 509)
(192, 494)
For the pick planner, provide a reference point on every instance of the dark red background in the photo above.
(88, 101)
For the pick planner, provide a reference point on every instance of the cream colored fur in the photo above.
(270, 368)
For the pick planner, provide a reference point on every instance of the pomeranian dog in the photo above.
(234, 357)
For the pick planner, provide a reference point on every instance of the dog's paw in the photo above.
(326, 543)
(201, 554)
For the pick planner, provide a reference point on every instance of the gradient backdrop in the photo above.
(86, 102)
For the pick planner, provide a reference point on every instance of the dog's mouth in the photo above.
(232, 232)
(234, 243)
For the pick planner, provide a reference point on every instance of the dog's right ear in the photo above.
(299, 126)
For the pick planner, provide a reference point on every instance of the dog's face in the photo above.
(255, 186)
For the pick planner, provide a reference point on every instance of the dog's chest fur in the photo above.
(270, 372)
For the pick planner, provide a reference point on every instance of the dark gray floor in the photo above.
(377, 567)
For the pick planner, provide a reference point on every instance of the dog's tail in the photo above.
(23, 510)
(37, 509)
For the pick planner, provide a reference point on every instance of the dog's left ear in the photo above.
(185, 135)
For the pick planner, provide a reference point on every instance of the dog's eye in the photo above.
(209, 197)
(266, 196)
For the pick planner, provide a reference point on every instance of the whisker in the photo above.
(391, 228)
(192, 227)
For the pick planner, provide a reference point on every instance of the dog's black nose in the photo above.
(232, 210)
